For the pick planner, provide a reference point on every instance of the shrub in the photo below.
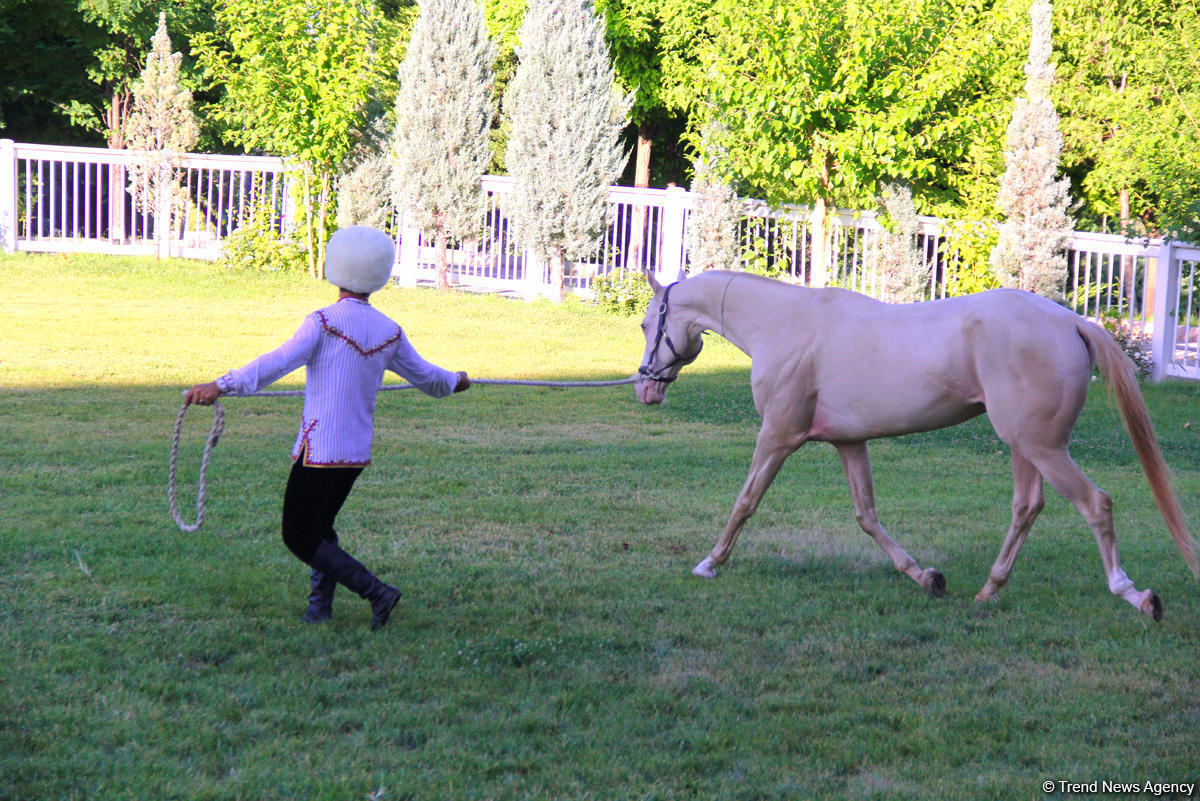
(257, 245)
(1136, 345)
(624, 292)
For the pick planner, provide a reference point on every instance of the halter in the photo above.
(660, 336)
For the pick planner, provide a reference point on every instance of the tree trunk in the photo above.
(641, 174)
(114, 120)
(558, 283)
(443, 268)
(638, 214)
(162, 213)
(1127, 283)
(818, 256)
(309, 223)
(326, 179)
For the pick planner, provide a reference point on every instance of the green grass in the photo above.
(551, 643)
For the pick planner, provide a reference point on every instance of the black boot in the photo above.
(320, 600)
(345, 569)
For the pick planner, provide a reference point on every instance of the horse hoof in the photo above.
(935, 582)
(705, 569)
(1152, 607)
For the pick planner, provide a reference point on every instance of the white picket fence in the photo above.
(70, 199)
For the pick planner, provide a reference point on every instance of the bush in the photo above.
(624, 292)
(1137, 346)
(966, 252)
(257, 245)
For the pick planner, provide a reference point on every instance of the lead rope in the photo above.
(218, 428)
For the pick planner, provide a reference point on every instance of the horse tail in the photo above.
(1121, 378)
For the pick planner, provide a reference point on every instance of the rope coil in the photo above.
(214, 434)
(218, 428)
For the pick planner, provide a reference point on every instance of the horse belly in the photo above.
(859, 419)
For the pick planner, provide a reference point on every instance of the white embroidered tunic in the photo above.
(345, 347)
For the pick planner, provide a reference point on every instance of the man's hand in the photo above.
(202, 394)
(463, 382)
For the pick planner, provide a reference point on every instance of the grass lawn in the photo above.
(551, 643)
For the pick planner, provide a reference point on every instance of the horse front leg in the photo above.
(770, 452)
(856, 461)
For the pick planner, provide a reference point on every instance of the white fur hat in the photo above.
(359, 259)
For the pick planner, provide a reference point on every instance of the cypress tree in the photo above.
(162, 124)
(711, 236)
(1031, 251)
(564, 151)
(444, 112)
(903, 274)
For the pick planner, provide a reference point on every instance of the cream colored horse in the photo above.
(829, 365)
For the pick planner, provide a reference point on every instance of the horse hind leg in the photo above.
(856, 461)
(1096, 507)
(1028, 499)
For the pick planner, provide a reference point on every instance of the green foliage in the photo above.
(118, 58)
(297, 77)
(257, 245)
(768, 256)
(624, 292)
(1135, 345)
(966, 250)
(826, 98)
(1129, 98)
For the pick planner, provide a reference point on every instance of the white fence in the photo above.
(76, 199)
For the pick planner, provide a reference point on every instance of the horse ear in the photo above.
(654, 284)
(682, 274)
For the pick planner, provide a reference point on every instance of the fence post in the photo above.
(671, 258)
(1166, 291)
(535, 270)
(8, 195)
(405, 269)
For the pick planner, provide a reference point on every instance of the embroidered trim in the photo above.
(303, 457)
(306, 428)
(306, 447)
(345, 338)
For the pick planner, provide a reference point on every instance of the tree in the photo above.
(364, 188)
(444, 112)
(564, 151)
(824, 99)
(903, 275)
(1171, 133)
(711, 237)
(126, 26)
(1031, 253)
(46, 48)
(161, 124)
(1126, 78)
(297, 74)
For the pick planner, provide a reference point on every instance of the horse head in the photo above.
(672, 342)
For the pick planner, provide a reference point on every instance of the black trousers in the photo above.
(311, 501)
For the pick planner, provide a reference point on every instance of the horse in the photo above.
(831, 365)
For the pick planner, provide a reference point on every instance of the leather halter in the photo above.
(660, 337)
